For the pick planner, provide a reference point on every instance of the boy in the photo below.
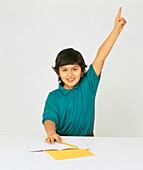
(70, 109)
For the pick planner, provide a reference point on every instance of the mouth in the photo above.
(70, 80)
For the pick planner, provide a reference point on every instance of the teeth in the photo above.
(70, 79)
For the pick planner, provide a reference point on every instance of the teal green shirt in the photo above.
(73, 110)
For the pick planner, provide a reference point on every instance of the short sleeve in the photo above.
(50, 110)
(91, 80)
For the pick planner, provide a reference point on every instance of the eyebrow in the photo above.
(70, 67)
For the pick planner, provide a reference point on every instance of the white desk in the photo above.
(112, 153)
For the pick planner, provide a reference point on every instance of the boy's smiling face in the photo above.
(70, 75)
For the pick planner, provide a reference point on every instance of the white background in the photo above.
(32, 32)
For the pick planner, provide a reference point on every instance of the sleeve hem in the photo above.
(43, 121)
(97, 77)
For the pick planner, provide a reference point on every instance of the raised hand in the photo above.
(119, 21)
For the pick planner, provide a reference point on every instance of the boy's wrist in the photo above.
(116, 31)
(52, 132)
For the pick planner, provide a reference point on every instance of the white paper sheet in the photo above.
(39, 144)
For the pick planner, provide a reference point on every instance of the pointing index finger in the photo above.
(119, 12)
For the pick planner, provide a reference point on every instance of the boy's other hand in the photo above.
(53, 138)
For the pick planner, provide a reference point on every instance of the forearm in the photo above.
(104, 50)
(50, 127)
(107, 45)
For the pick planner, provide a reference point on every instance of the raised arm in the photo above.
(107, 45)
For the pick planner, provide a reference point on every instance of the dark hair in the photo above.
(69, 56)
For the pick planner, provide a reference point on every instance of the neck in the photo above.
(67, 87)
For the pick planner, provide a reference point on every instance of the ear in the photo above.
(82, 73)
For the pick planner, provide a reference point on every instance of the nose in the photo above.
(69, 72)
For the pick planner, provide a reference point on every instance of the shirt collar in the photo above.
(66, 91)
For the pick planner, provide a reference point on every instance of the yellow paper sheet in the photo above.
(69, 153)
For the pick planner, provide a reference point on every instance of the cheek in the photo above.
(78, 74)
(63, 76)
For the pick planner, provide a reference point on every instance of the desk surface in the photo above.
(112, 153)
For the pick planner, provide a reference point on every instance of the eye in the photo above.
(75, 69)
(64, 70)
